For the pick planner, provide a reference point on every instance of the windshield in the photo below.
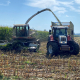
(61, 31)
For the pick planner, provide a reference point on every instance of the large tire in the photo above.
(74, 47)
(52, 49)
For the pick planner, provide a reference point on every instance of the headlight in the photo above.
(61, 42)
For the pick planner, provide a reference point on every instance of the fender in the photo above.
(69, 38)
(51, 38)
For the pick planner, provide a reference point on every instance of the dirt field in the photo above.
(36, 66)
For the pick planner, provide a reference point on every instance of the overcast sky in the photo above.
(18, 11)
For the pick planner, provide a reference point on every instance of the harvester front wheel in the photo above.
(17, 46)
(52, 49)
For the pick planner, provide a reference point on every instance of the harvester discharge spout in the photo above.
(47, 9)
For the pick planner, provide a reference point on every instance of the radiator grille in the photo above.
(63, 38)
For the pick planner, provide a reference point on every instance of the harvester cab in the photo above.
(21, 30)
(61, 38)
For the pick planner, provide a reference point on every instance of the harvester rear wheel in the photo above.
(52, 49)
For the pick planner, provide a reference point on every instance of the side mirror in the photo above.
(49, 32)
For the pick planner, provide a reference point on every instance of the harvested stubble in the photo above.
(37, 65)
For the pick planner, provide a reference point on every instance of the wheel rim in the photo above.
(50, 49)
